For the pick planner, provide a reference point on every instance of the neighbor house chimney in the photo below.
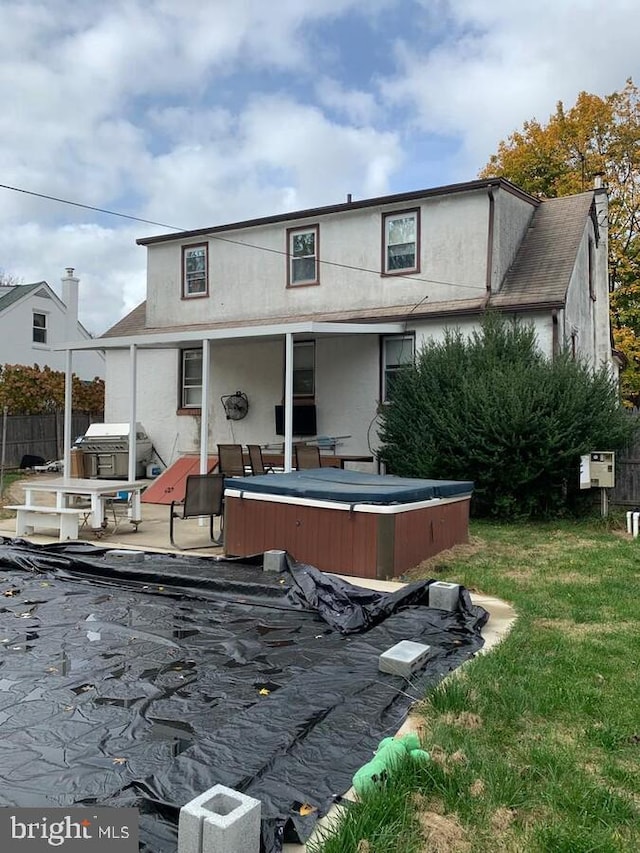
(70, 299)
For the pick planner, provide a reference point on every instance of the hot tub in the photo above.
(365, 525)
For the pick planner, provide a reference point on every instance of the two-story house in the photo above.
(34, 322)
(319, 308)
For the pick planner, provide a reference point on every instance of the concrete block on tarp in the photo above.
(444, 596)
(274, 561)
(220, 821)
(405, 658)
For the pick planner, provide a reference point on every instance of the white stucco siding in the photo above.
(512, 216)
(348, 390)
(16, 338)
(586, 317)
(157, 399)
(435, 330)
(247, 282)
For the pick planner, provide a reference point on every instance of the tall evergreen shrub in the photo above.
(492, 409)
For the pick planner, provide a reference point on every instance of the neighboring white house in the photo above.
(352, 290)
(34, 320)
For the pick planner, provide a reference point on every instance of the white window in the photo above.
(194, 271)
(39, 328)
(302, 256)
(401, 242)
(304, 358)
(191, 379)
(397, 355)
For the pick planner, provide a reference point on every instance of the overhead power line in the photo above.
(212, 236)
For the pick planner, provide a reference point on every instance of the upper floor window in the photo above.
(39, 328)
(191, 379)
(195, 280)
(401, 242)
(397, 355)
(302, 256)
(304, 364)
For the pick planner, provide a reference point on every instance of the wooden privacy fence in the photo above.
(40, 435)
(627, 488)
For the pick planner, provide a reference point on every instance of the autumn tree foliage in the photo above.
(35, 391)
(598, 135)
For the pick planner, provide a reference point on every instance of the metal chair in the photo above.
(256, 460)
(307, 456)
(231, 460)
(203, 498)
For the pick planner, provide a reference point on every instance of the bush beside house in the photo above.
(492, 409)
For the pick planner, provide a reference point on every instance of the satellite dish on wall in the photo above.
(235, 405)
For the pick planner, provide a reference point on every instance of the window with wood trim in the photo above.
(401, 242)
(39, 331)
(190, 379)
(195, 271)
(302, 256)
(397, 354)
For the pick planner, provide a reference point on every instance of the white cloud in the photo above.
(195, 114)
(496, 64)
(353, 104)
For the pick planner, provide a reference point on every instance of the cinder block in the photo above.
(220, 821)
(444, 596)
(125, 556)
(405, 658)
(274, 561)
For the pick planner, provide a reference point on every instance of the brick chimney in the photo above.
(70, 299)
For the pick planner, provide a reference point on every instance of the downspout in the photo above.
(490, 238)
(554, 333)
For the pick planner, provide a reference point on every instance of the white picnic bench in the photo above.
(31, 516)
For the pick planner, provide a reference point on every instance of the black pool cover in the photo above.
(143, 682)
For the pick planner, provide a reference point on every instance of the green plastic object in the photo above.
(389, 753)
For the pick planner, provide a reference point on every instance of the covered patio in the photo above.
(286, 333)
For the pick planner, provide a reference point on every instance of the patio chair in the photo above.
(256, 460)
(118, 505)
(202, 499)
(231, 460)
(307, 456)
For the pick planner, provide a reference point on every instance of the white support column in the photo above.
(133, 416)
(204, 417)
(68, 403)
(288, 402)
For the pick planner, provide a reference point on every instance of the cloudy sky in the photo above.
(195, 113)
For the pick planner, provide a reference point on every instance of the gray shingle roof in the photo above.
(542, 268)
(17, 293)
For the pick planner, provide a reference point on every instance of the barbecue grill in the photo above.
(105, 449)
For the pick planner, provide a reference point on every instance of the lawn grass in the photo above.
(536, 745)
(9, 478)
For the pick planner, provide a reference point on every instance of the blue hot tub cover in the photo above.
(342, 486)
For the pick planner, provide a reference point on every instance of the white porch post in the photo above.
(133, 452)
(288, 402)
(68, 400)
(204, 417)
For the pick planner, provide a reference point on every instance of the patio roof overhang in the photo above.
(177, 337)
(185, 337)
